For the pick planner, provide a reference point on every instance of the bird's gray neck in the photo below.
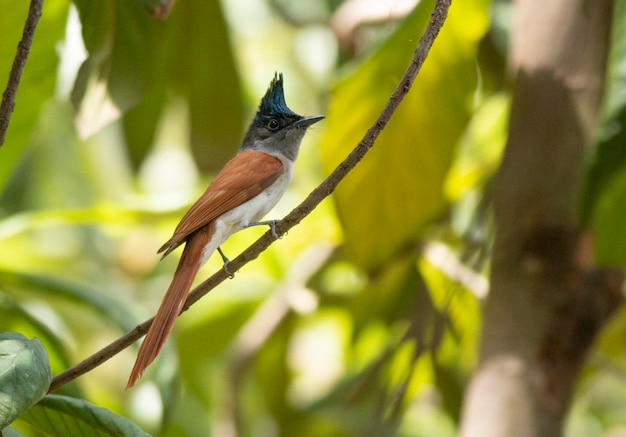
(287, 151)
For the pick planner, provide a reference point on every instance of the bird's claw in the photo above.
(226, 263)
(271, 223)
(228, 272)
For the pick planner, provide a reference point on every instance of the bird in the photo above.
(242, 193)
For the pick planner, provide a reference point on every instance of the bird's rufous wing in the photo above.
(242, 178)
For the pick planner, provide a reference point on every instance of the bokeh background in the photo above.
(365, 318)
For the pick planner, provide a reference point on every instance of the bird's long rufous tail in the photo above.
(172, 303)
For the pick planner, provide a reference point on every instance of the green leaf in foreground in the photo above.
(24, 375)
(65, 416)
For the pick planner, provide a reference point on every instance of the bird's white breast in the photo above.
(248, 212)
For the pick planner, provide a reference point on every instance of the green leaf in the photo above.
(103, 305)
(205, 72)
(602, 204)
(10, 432)
(140, 125)
(38, 183)
(608, 223)
(120, 38)
(159, 8)
(24, 375)
(480, 149)
(397, 189)
(14, 317)
(136, 61)
(610, 157)
(65, 416)
(39, 78)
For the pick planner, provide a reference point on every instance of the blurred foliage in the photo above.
(416, 150)
(365, 319)
(134, 61)
(605, 191)
(39, 79)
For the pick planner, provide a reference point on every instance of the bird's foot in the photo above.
(226, 263)
(270, 223)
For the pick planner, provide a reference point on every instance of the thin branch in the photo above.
(294, 217)
(23, 48)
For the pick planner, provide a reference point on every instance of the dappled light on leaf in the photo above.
(97, 109)
(398, 189)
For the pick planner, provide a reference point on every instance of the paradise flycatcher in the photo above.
(242, 193)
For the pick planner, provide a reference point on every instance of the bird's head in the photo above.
(275, 127)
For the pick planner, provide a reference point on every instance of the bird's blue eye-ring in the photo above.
(273, 124)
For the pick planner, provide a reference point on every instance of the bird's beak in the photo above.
(308, 121)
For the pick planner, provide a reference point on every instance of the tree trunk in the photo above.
(546, 301)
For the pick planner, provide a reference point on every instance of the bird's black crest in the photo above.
(273, 102)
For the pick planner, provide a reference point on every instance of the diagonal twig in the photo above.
(294, 217)
(23, 48)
